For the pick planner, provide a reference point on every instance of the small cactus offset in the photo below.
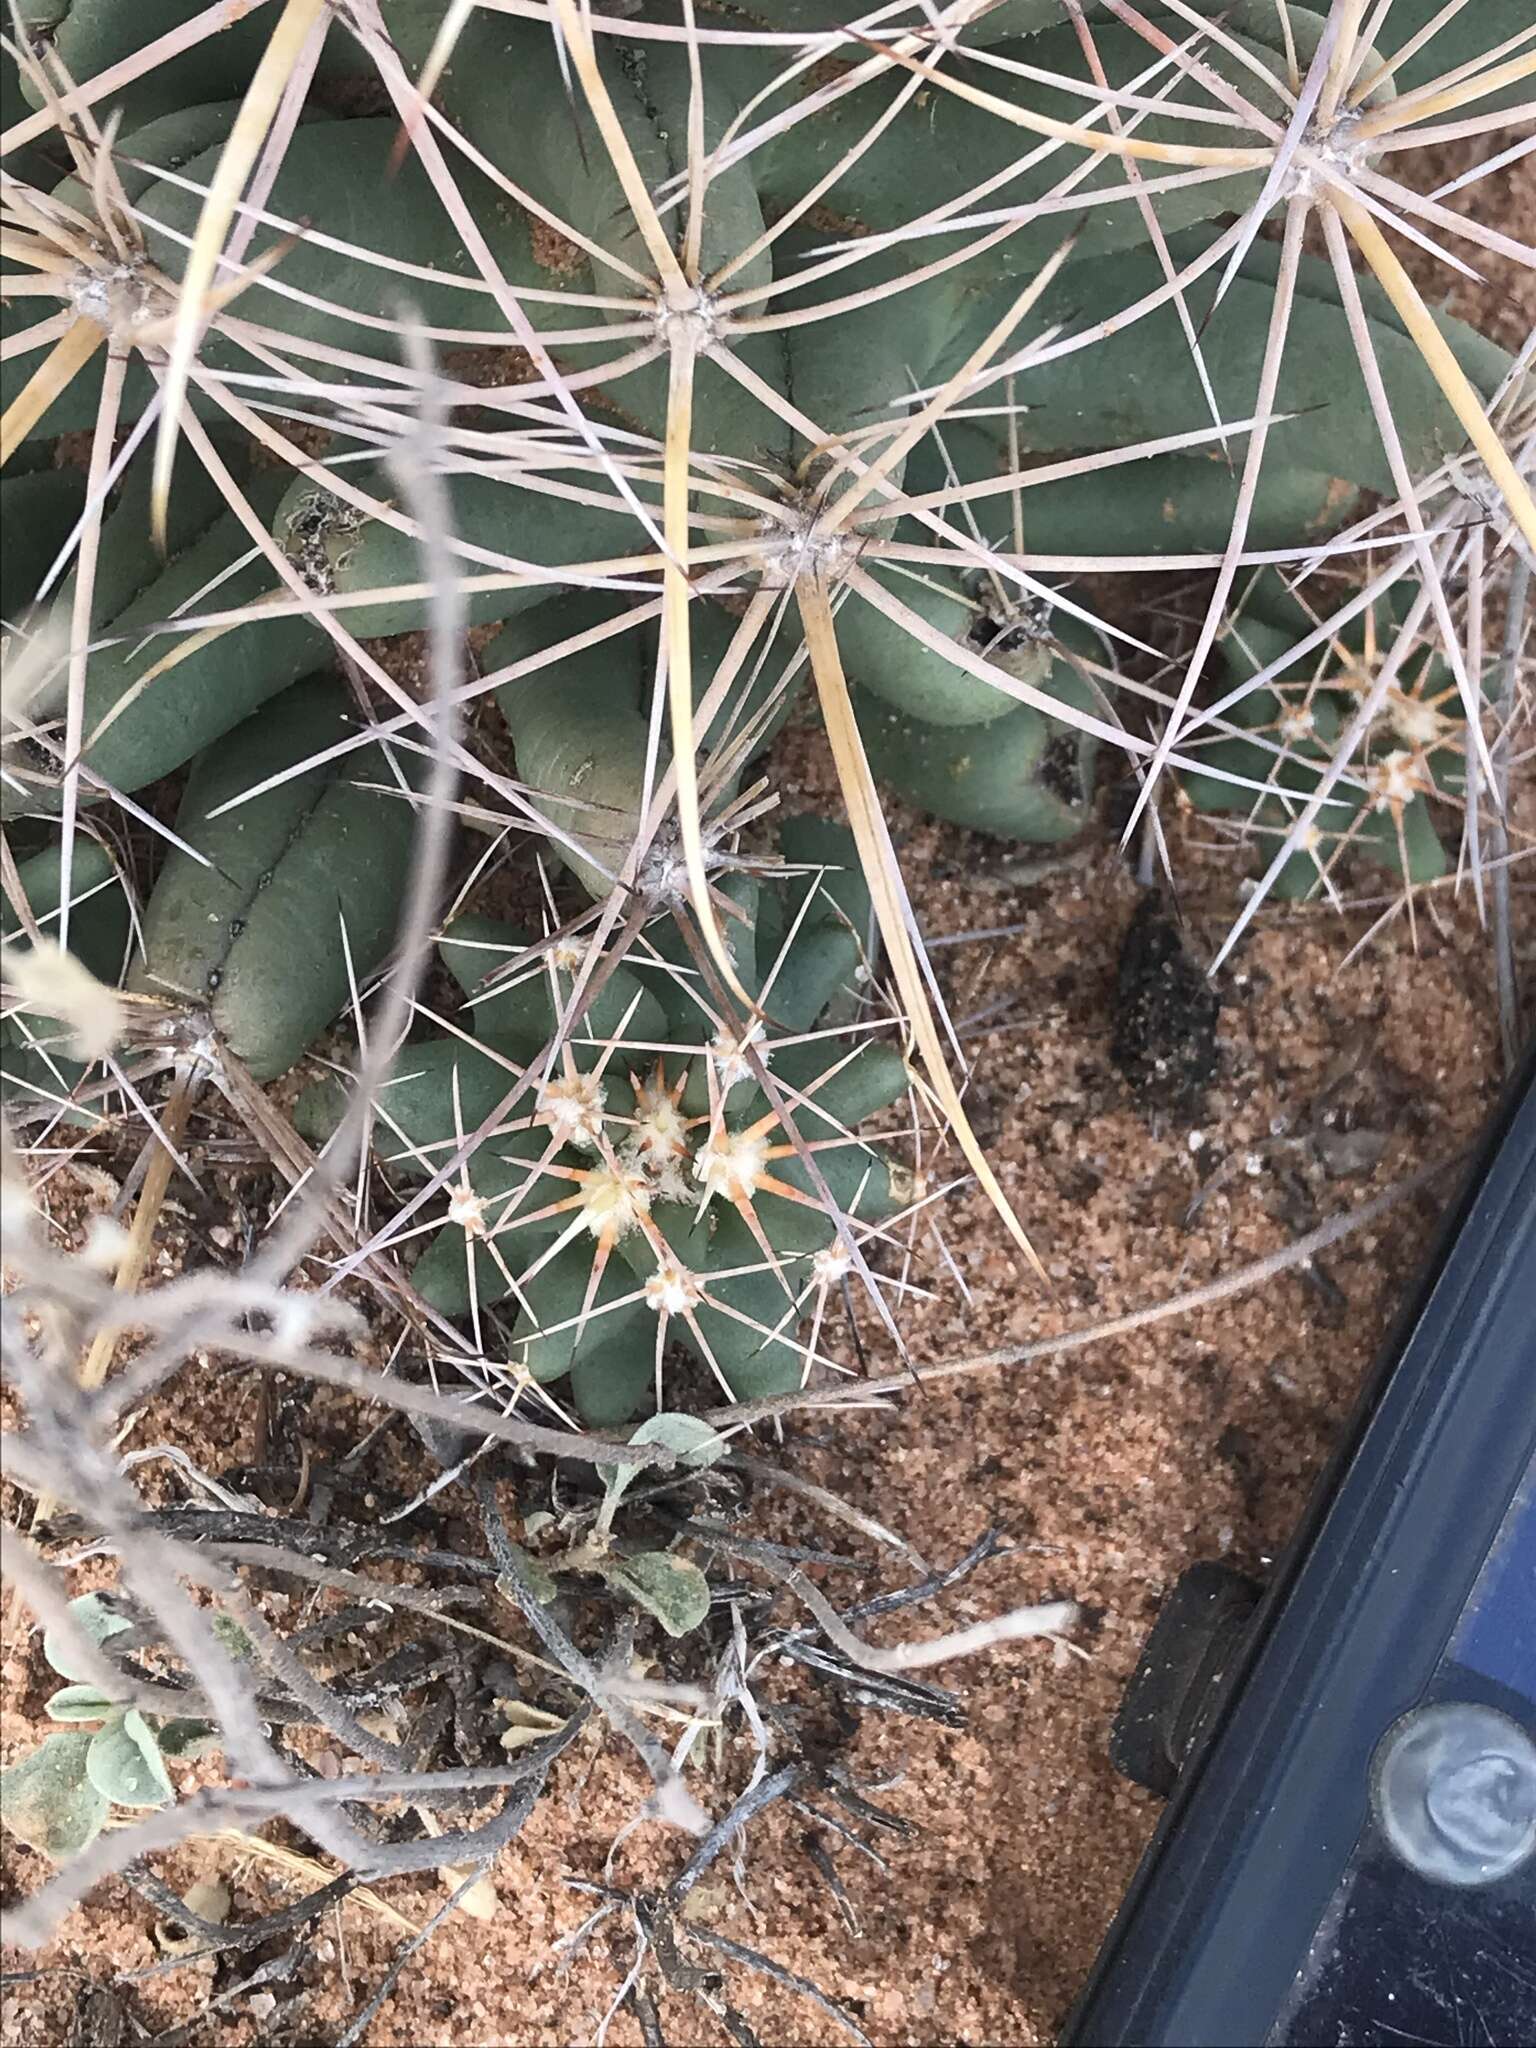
(1411, 753)
(668, 1172)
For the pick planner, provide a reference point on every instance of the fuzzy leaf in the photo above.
(693, 1441)
(233, 1636)
(669, 1587)
(94, 1618)
(124, 1764)
(48, 1800)
(80, 1703)
(186, 1738)
(543, 1585)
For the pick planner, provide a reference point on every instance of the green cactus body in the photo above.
(507, 1190)
(860, 1180)
(523, 1014)
(645, 1149)
(743, 1335)
(809, 840)
(1009, 19)
(846, 1080)
(581, 727)
(1138, 382)
(612, 1383)
(964, 145)
(90, 36)
(174, 141)
(882, 659)
(608, 1355)
(505, 90)
(37, 515)
(256, 935)
(852, 373)
(822, 962)
(33, 161)
(632, 1177)
(415, 1129)
(1021, 776)
(345, 553)
(439, 1093)
(1159, 504)
(204, 687)
(350, 162)
(579, 735)
(167, 143)
(1303, 715)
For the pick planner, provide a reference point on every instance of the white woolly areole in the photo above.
(468, 1211)
(671, 1289)
(573, 1109)
(731, 1164)
(612, 1203)
(831, 1264)
(1420, 724)
(1297, 722)
(118, 297)
(661, 1129)
(1393, 780)
(666, 1174)
(728, 1051)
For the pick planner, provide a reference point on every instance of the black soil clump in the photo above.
(1165, 1013)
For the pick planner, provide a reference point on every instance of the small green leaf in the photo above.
(693, 1441)
(232, 1636)
(80, 1703)
(187, 1738)
(669, 1587)
(123, 1762)
(49, 1801)
(542, 1585)
(95, 1618)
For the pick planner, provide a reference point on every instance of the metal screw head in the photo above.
(1454, 1792)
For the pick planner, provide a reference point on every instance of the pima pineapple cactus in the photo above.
(666, 1172)
(754, 352)
(1411, 752)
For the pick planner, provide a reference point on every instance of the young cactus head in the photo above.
(1353, 745)
(665, 1166)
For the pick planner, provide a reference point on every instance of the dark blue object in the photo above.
(1348, 1858)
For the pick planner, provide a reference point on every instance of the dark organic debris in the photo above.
(1165, 1012)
